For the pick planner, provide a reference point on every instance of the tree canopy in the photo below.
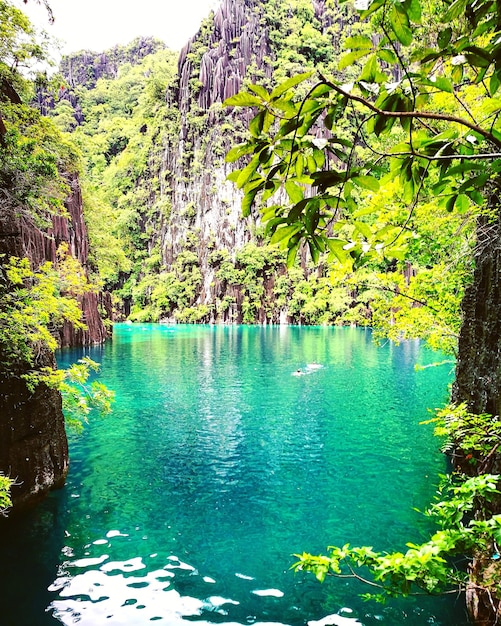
(353, 165)
(408, 123)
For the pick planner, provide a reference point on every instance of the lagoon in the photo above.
(220, 461)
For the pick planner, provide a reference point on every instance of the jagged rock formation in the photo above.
(39, 246)
(33, 444)
(87, 67)
(73, 231)
(234, 46)
(211, 68)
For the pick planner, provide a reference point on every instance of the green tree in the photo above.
(417, 108)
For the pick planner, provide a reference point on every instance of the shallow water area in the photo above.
(230, 449)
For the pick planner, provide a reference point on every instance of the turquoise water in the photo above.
(219, 462)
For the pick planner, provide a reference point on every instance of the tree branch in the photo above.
(419, 115)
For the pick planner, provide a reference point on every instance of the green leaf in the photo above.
(400, 25)
(478, 57)
(331, 178)
(246, 174)
(239, 151)
(247, 202)
(284, 233)
(450, 203)
(289, 126)
(319, 157)
(443, 83)
(357, 42)
(456, 9)
(299, 165)
(260, 91)
(457, 73)
(370, 70)
(256, 124)
(444, 37)
(294, 191)
(291, 254)
(462, 203)
(350, 57)
(289, 83)
(336, 246)
(364, 229)
(388, 56)
(312, 217)
(367, 182)
(494, 83)
(243, 99)
(367, 7)
(315, 256)
(476, 197)
(413, 10)
(233, 176)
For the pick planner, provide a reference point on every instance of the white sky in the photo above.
(100, 24)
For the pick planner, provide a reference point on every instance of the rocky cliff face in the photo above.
(235, 45)
(33, 445)
(211, 68)
(478, 383)
(87, 67)
(39, 246)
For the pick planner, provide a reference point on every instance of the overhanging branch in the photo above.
(417, 115)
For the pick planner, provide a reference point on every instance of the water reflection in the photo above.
(217, 465)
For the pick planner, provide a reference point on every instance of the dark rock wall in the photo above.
(478, 383)
(478, 373)
(33, 445)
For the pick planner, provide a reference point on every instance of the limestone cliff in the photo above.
(211, 68)
(33, 445)
(87, 67)
(242, 41)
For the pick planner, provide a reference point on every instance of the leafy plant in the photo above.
(5, 499)
(470, 438)
(426, 567)
(31, 301)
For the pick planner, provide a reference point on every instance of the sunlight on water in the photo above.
(229, 450)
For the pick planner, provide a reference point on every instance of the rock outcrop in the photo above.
(33, 444)
(233, 46)
(87, 67)
(478, 384)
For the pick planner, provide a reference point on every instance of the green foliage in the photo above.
(32, 155)
(472, 437)
(425, 567)
(5, 499)
(80, 396)
(425, 150)
(19, 48)
(121, 140)
(31, 302)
